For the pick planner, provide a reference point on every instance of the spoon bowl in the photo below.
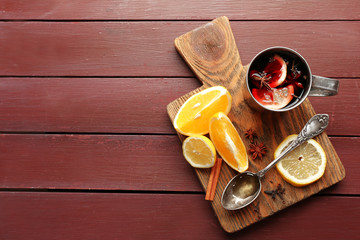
(245, 187)
(242, 190)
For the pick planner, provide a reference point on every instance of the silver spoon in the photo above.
(245, 187)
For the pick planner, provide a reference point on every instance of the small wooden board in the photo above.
(212, 54)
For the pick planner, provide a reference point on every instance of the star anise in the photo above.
(263, 78)
(257, 150)
(250, 134)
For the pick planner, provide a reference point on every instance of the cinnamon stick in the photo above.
(213, 180)
(216, 178)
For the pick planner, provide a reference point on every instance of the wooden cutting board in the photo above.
(211, 52)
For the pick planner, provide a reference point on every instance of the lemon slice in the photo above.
(199, 151)
(304, 165)
(194, 115)
(228, 142)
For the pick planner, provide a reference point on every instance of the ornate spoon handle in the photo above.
(312, 128)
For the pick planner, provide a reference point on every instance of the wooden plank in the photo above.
(348, 150)
(211, 53)
(175, 10)
(31, 215)
(121, 162)
(115, 105)
(67, 105)
(338, 107)
(110, 162)
(146, 48)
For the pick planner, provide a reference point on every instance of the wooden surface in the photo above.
(175, 10)
(211, 53)
(98, 48)
(87, 150)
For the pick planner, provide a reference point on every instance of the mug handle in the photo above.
(322, 86)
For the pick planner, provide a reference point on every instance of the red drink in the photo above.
(277, 80)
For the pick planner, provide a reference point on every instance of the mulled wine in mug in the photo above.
(279, 79)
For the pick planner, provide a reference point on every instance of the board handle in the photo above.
(212, 54)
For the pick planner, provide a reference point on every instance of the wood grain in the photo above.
(119, 162)
(118, 51)
(175, 10)
(338, 107)
(348, 149)
(211, 53)
(102, 162)
(101, 105)
(126, 216)
(67, 105)
(146, 48)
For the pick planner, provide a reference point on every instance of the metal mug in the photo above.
(315, 86)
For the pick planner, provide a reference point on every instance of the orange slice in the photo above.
(228, 142)
(194, 115)
(275, 98)
(277, 69)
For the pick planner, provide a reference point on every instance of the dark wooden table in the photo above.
(87, 150)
